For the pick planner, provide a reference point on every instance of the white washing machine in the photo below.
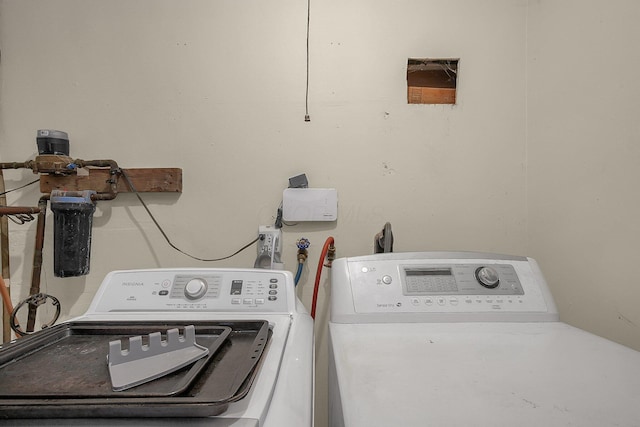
(466, 339)
(258, 370)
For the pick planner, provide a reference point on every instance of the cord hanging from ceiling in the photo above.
(307, 117)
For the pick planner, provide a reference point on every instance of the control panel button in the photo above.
(386, 279)
(487, 277)
(195, 288)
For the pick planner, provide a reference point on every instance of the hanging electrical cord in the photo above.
(307, 118)
(21, 187)
(130, 184)
(303, 243)
(328, 251)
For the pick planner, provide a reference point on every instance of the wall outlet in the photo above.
(269, 248)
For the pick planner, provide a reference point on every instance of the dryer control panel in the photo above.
(212, 289)
(452, 279)
(439, 286)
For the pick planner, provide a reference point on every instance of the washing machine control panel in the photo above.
(243, 290)
(443, 289)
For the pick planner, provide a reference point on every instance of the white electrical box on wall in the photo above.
(310, 204)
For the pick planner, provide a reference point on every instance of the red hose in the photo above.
(325, 249)
(6, 298)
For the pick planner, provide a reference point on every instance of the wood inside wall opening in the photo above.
(432, 81)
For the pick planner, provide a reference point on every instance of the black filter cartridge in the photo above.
(72, 222)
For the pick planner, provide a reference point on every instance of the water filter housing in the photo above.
(73, 219)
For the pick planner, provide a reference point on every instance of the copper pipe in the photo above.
(17, 210)
(41, 210)
(37, 260)
(6, 271)
(97, 163)
(114, 170)
(17, 165)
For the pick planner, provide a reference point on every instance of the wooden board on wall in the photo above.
(144, 180)
(431, 95)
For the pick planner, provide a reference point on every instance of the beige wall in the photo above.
(217, 88)
(583, 160)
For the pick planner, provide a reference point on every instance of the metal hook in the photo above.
(35, 300)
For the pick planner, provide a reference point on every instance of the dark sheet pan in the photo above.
(62, 372)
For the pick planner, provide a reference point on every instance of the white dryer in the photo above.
(258, 371)
(466, 339)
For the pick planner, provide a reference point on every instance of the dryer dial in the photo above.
(487, 277)
(195, 288)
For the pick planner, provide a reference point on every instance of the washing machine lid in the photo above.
(501, 374)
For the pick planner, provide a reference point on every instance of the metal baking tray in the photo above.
(62, 372)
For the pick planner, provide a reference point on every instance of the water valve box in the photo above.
(310, 204)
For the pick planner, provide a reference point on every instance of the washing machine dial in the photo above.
(196, 288)
(487, 277)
